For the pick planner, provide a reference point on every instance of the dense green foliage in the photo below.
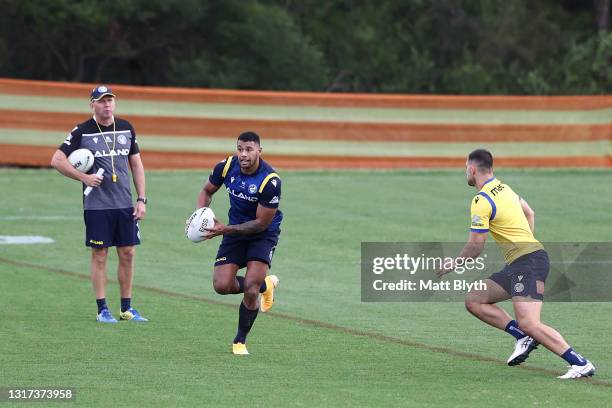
(409, 46)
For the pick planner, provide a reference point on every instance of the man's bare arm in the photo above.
(205, 196)
(471, 250)
(529, 214)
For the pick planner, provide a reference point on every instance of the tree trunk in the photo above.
(602, 14)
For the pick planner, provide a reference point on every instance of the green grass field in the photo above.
(320, 346)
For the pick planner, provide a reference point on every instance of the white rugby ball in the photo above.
(82, 160)
(196, 225)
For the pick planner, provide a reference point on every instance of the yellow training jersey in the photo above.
(497, 209)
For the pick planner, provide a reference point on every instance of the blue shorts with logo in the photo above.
(240, 249)
(519, 278)
(106, 228)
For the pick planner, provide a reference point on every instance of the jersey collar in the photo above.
(489, 180)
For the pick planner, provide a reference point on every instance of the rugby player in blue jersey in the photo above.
(499, 210)
(251, 235)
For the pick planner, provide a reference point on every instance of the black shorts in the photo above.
(106, 228)
(240, 249)
(519, 278)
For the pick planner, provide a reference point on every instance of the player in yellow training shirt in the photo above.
(497, 209)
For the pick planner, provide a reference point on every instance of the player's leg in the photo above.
(125, 276)
(98, 237)
(127, 236)
(481, 304)
(98, 271)
(528, 311)
(227, 282)
(253, 281)
(125, 272)
(527, 286)
(224, 279)
(249, 307)
(231, 256)
(528, 315)
(262, 250)
(98, 280)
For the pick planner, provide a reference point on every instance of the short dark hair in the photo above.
(482, 158)
(249, 137)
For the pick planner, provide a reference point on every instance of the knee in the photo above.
(127, 254)
(528, 325)
(472, 304)
(98, 256)
(222, 287)
(251, 290)
(472, 307)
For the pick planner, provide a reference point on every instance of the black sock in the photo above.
(125, 304)
(246, 318)
(240, 280)
(101, 304)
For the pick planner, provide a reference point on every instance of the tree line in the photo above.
(544, 47)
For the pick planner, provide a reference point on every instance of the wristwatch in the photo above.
(142, 199)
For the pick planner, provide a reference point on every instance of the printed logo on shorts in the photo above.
(93, 241)
(272, 253)
(221, 259)
(519, 287)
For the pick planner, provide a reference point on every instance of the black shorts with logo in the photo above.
(114, 227)
(240, 249)
(519, 278)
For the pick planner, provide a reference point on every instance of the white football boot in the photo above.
(523, 347)
(576, 371)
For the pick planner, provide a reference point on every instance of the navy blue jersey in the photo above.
(247, 191)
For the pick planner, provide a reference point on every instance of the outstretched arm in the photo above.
(471, 250)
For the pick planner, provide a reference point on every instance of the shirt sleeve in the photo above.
(480, 214)
(72, 141)
(216, 177)
(134, 148)
(271, 194)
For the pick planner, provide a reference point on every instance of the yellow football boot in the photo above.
(267, 298)
(240, 349)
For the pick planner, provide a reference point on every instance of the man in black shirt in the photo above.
(110, 217)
